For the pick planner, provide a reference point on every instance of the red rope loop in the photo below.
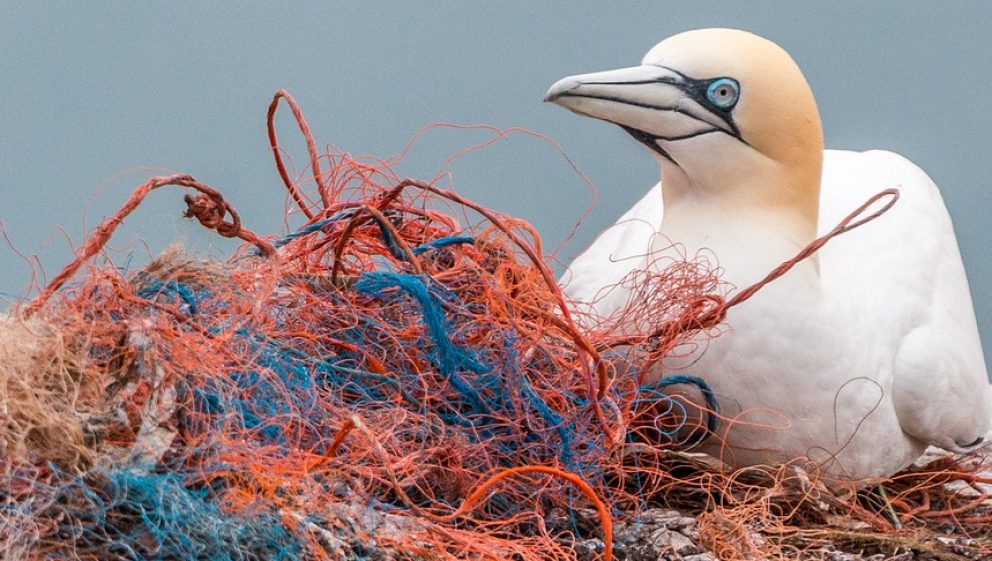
(293, 189)
(850, 222)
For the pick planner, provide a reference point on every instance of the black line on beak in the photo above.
(693, 87)
(649, 140)
(692, 90)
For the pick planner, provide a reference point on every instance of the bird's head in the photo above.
(720, 108)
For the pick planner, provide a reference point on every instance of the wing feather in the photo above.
(902, 283)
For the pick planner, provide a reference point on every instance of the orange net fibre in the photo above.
(385, 374)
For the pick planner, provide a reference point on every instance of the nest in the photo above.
(386, 382)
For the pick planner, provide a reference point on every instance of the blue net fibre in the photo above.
(452, 372)
(121, 515)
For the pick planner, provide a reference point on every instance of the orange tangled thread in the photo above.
(385, 380)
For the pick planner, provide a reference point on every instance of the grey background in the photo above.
(96, 97)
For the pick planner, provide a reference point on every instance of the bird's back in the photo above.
(888, 350)
(900, 285)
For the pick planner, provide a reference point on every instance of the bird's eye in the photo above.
(723, 92)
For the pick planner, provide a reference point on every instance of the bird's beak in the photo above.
(650, 102)
(609, 83)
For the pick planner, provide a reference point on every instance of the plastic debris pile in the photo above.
(388, 383)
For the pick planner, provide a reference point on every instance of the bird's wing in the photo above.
(902, 278)
(592, 277)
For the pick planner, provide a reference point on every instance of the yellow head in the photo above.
(728, 114)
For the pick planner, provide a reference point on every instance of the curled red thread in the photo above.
(321, 354)
(606, 521)
(294, 191)
(596, 390)
(479, 493)
(209, 208)
(383, 223)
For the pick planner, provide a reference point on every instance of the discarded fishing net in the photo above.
(388, 382)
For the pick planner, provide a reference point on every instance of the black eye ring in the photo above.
(723, 93)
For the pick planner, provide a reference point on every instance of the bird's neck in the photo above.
(749, 224)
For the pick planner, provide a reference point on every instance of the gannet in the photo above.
(863, 354)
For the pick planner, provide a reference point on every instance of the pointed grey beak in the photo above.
(561, 87)
(639, 83)
(651, 102)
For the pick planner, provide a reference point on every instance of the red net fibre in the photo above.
(386, 379)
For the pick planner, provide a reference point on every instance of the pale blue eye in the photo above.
(723, 92)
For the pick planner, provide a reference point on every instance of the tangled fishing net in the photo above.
(387, 382)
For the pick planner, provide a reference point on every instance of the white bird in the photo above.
(861, 355)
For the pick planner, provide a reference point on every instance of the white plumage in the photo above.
(859, 357)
